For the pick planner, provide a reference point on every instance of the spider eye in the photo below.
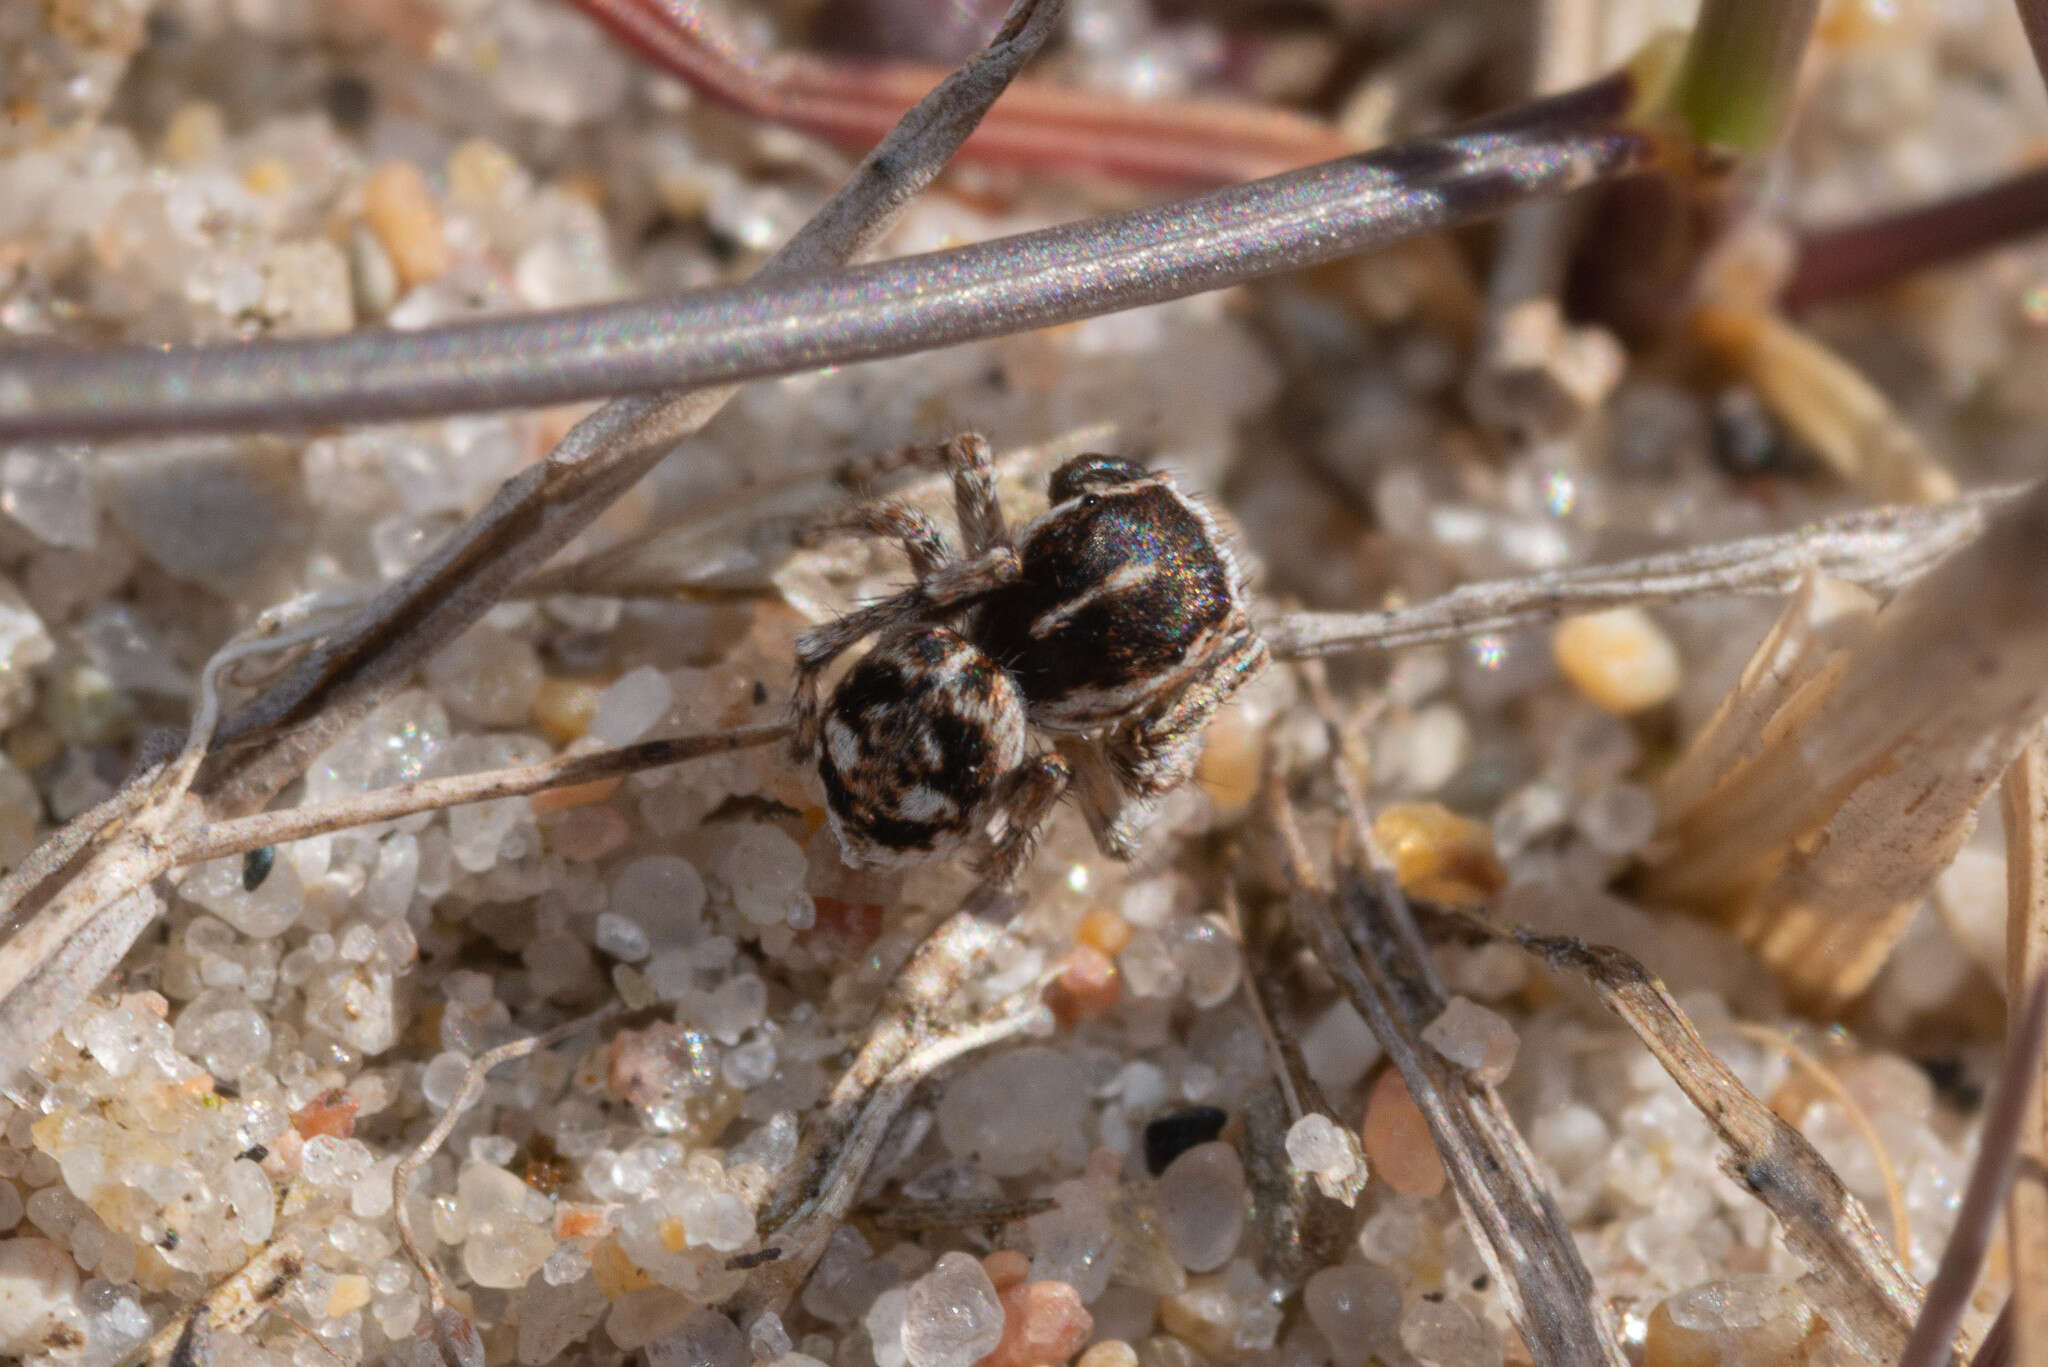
(1090, 500)
(1092, 471)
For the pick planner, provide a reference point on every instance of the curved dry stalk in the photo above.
(788, 320)
(1859, 1120)
(466, 1096)
(1881, 549)
(73, 931)
(1871, 253)
(1998, 1152)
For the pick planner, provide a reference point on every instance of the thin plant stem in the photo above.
(215, 840)
(1881, 549)
(1871, 253)
(1741, 64)
(826, 317)
(1038, 128)
(1948, 1295)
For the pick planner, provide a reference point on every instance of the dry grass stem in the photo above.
(87, 924)
(1848, 767)
(1852, 1279)
(432, 794)
(2005, 1133)
(2024, 802)
(1827, 403)
(1550, 1296)
(1880, 549)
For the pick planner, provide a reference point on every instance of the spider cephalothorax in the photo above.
(1115, 622)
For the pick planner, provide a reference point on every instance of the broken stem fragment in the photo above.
(1847, 767)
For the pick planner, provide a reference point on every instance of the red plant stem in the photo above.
(1036, 127)
(1855, 257)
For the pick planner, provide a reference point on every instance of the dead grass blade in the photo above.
(1857, 772)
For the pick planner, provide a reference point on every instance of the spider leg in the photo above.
(1113, 812)
(951, 586)
(1027, 798)
(1156, 752)
(969, 461)
(922, 542)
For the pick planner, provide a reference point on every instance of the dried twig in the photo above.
(1854, 1282)
(1999, 1143)
(2024, 802)
(88, 921)
(918, 1028)
(832, 317)
(1377, 956)
(1882, 549)
(1038, 127)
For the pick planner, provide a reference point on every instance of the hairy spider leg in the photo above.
(970, 462)
(1030, 792)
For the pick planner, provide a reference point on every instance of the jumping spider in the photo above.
(1115, 623)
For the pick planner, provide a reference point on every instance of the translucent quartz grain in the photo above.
(1201, 1204)
(630, 708)
(1475, 1039)
(1441, 1332)
(1744, 1322)
(37, 1282)
(1011, 1110)
(1071, 1242)
(1320, 1148)
(1356, 1308)
(951, 1315)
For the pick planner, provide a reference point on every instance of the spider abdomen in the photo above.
(915, 741)
(1123, 593)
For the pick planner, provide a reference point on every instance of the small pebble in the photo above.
(1727, 1323)
(1084, 986)
(1355, 1308)
(951, 1315)
(256, 866)
(400, 209)
(1397, 1139)
(1169, 1136)
(1109, 1353)
(37, 1280)
(1475, 1039)
(1043, 1323)
(1006, 1267)
(1439, 855)
(1200, 1200)
(1620, 659)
